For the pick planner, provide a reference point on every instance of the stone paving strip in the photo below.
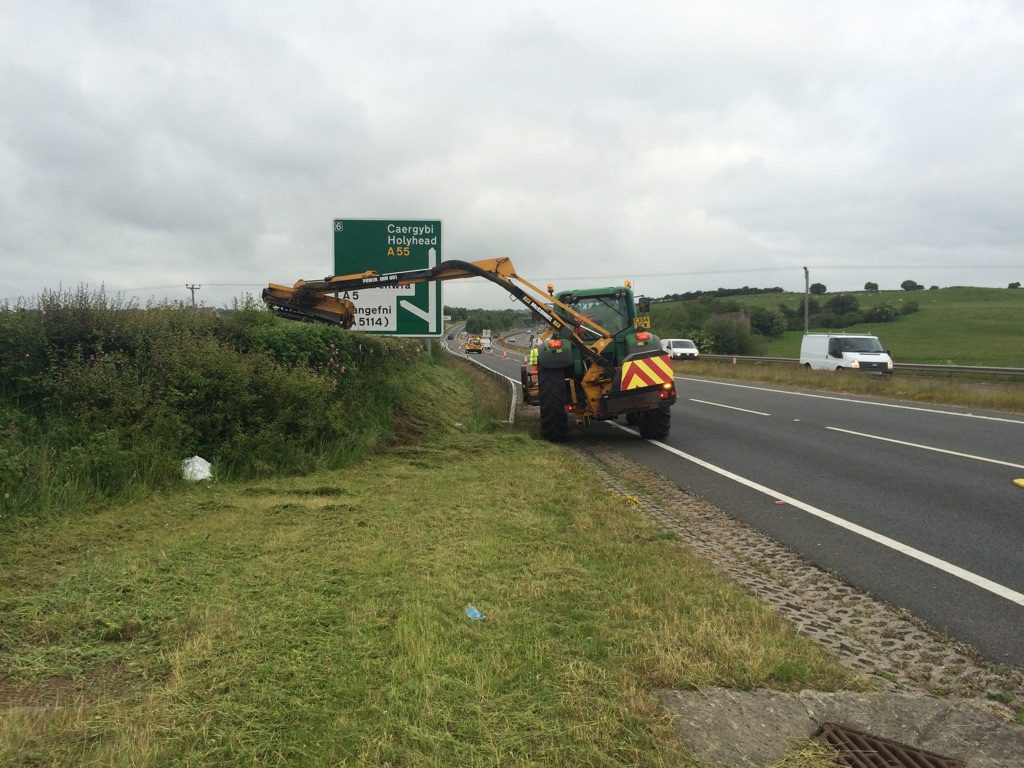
(744, 729)
(898, 653)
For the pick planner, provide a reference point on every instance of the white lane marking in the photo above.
(885, 541)
(850, 400)
(731, 407)
(928, 448)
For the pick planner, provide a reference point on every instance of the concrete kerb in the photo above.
(512, 383)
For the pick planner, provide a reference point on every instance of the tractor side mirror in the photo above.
(643, 305)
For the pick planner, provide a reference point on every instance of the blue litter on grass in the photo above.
(473, 613)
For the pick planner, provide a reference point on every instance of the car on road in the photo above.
(680, 349)
(475, 345)
(451, 336)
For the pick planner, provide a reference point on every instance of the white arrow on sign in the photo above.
(429, 314)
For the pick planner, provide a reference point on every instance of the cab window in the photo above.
(610, 312)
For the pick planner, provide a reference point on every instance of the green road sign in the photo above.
(386, 246)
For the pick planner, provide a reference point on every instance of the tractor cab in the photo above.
(610, 308)
(615, 310)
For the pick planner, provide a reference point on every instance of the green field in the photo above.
(954, 326)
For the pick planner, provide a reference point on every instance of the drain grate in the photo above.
(862, 750)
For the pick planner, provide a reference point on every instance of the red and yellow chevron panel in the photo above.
(646, 372)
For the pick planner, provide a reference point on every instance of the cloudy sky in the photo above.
(692, 145)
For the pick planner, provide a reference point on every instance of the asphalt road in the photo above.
(913, 503)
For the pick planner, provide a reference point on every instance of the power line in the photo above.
(756, 270)
(176, 286)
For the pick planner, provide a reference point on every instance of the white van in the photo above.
(840, 351)
(680, 349)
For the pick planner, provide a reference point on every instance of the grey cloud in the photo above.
(148, 144)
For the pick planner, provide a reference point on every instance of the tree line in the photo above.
(718, 293)
(496, 320)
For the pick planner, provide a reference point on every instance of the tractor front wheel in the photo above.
(654, 425)
(554, 422)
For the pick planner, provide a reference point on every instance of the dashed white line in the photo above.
(897, 546)
(730, 407)
(851, 400)
(928, 448)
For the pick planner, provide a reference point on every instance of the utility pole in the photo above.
(193, 288)
(807, 296)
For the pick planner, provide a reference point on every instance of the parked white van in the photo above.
(839, 351)
(680, 349)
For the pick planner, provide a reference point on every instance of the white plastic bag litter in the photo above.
(195, 469)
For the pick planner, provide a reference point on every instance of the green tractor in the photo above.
(620, 370)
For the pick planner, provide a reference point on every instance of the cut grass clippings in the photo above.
(321, 620)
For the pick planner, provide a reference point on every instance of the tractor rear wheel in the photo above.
(654, 425)
(554, 422)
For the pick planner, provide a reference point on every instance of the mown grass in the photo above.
(319, 620)
(1007, 396)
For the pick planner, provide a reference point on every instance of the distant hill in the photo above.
(959, 326)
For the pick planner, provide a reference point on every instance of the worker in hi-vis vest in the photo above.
(529, 371)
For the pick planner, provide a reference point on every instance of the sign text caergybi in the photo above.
(389, 246)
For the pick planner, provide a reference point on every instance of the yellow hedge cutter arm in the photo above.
(316, 300)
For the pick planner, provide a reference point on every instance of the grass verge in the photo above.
(987, 395)
(320, 620)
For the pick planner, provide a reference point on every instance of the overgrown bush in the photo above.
(731, 336)
(767, 322)
(702, 340)
(883, 313)
(842, 304)
(102, 399)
